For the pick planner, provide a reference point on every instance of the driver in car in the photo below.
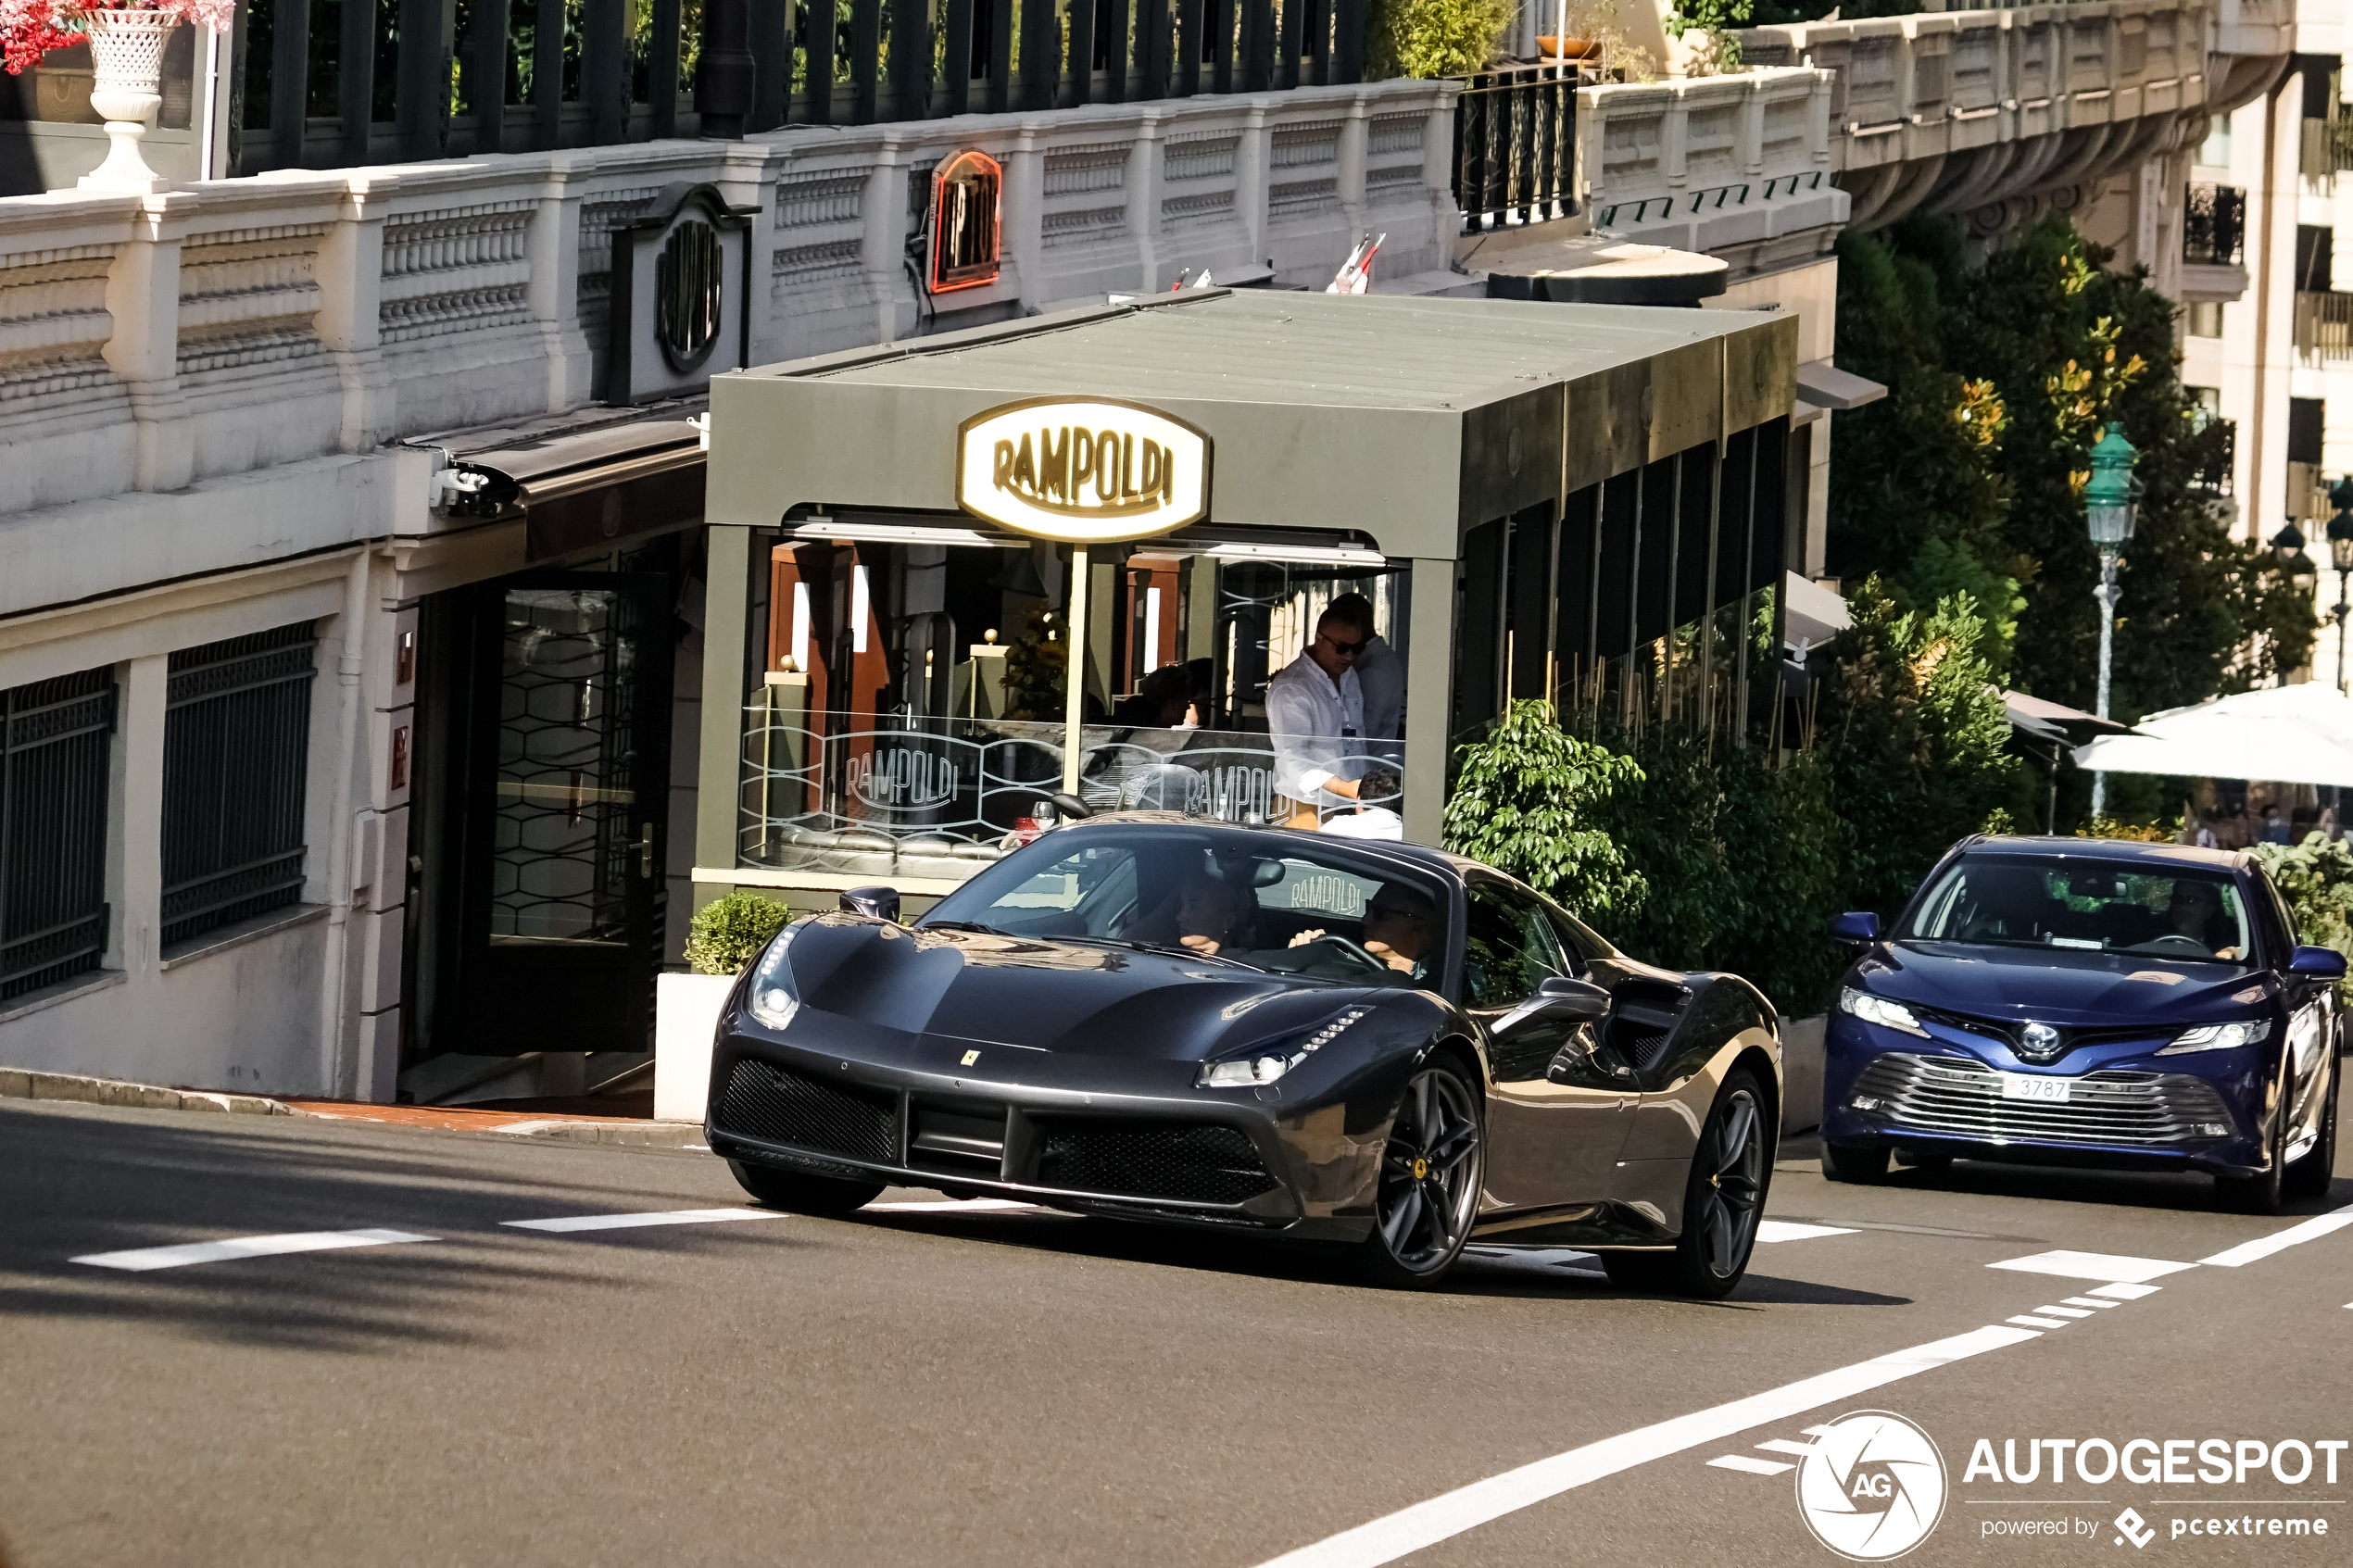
(2191, 913)
(1401, 929)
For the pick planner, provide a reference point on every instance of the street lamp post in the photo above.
(2108, 507)
(2341, 558)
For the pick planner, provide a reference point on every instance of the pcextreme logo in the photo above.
(1873, 1487)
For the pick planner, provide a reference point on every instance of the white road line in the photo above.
(2094, 1265)
(1754, 1466)
(1789, 1230)
(2032, 1321)
(2280, 1241)
(2126, 1292)
(138, 1260)
(2064, 1313)
(2091, 1301)
(1815, 1431)
(1425, 1524)
(569, 1223)
(1783, 1446)
(976, 1206)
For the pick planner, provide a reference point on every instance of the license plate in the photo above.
(2050, 1091)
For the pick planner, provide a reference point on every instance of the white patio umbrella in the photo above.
(2285, 734)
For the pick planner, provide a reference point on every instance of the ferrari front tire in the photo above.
(799, 1194)
(1723, 1201)
(1431, 1170)
(1840, 1163)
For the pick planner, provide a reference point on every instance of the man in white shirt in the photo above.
(1315, 715)
(1381, 676)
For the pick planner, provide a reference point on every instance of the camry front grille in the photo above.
(778, 1105)
(1191, 1162)
(1951, 1095)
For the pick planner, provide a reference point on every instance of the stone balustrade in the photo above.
(166, 345)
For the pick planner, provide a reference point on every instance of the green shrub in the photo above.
(728, 932)
(1429, 38)
(1526, 799)
(2316, 878)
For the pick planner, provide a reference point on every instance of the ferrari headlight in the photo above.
(1879, 1010)
(774, 1000)
(2218, 1038)
(1243, 1074)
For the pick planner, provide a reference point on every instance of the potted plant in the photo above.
(725, 935)
(126, 39)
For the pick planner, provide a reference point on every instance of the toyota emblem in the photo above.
(2040, 1039)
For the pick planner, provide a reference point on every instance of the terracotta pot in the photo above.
(126, 55)
(1563, 48)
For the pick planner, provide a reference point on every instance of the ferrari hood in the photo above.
(2059, 985)
(1067, 997)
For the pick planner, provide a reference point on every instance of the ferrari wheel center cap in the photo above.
(1421, 1168)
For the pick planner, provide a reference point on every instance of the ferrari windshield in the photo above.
(2160, 913)
(1235, 897)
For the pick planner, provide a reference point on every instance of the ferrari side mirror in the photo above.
(1856, 928)
(1073, 810)
(1571, 1001)
(2317, 963)
(875, 903)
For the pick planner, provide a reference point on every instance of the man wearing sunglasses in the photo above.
(1315, 715)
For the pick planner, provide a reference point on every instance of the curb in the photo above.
(22, 1082)
(627, 1134)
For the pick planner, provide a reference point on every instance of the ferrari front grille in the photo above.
(1950, 1095)
(1189, 1161)
(777, 1105)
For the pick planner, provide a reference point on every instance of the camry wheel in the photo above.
(1840, 1163)
(1430, 1175)
(1722, 1203)
(2310, 1176)
(2263, 1194)
(800, 1194)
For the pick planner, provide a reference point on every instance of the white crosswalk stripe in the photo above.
(139, 1260)
(563, 1224)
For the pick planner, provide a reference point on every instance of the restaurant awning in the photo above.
(581, 482)
(2285, 735)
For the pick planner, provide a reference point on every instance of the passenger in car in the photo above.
(1213, 913)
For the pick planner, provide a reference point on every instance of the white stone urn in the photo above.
(126, 54)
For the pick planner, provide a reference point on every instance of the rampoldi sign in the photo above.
(1082, 471)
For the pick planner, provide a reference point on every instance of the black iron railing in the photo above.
(54, 767)
(526, 75)
(2215, 451)
(1515, 146)
(236, 750)
(2213, 225)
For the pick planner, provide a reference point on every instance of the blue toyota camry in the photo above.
(2068, 1002)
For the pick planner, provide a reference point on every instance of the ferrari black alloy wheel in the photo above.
(1430, 1175)
(1721, 1205)
(801, 1194)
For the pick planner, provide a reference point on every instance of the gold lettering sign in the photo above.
(1083, 471)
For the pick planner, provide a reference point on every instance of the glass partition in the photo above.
(905, 702)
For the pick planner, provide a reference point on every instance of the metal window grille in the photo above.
(55, 740)
(2213, 225)
(236, 743)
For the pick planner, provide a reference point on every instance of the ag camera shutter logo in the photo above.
(1872, 1488)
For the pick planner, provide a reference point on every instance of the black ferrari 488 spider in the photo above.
(1180, 1021)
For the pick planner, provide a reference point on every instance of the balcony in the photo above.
(2214, 226)
(2323, 328)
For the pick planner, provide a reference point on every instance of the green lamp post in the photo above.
(2109, 508)
(2340, 534)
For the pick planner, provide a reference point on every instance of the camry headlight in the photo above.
(774, 1000)
(1243, 1071)
(2218, 1038)
(1879, 1010)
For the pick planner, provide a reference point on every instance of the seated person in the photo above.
(1401, 929)
(1213, 913)
(2010, 903)
(1159, 702)
(2194, 910)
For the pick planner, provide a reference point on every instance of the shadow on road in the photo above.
(81, 1183)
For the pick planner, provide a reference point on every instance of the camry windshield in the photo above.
(1234, 898)
(2145, 909)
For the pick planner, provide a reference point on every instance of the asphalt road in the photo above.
(914, 1386)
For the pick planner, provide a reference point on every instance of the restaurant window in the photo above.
(907, 715)
(55, 739)
(236, 744)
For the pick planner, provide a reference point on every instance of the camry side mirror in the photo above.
(875, 903)
(1571, 1001)
(1856, 928)
(2317, 963)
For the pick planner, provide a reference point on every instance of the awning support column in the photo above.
(719, 770)
(1430, 698)
(1074, 667)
